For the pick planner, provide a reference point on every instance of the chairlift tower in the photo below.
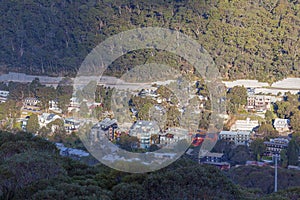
(275, 177)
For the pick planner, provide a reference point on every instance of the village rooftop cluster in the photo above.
(240, 132)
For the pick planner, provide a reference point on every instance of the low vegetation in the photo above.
(31, 168)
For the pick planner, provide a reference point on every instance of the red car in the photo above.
(197, 141)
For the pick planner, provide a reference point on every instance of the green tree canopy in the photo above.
(293, 152)
(258, 147)
(267, 130)
(295, 121)
(33, 124)
(236, 98)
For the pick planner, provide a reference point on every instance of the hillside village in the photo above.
(253, 129)
(257, 124)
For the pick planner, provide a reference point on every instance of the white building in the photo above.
(259, 103)
(3, 96)
(238, 137)
(151, 92)
(53, 106)
(202, 98)
(24, 122)
(31, 101)
(74, 105)
(46, 118)
(4, 93)
(143, 130)
(173, 135)
(71, 124)
(244, 125)
(108, 126)
(281, 125)
(30, 105)
(276, 145)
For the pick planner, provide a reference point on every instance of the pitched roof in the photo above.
(281, 123)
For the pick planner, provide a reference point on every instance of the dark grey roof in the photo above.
(50, 116)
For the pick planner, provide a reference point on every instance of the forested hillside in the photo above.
(247, 38)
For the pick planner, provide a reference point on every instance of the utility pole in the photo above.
(275, 186)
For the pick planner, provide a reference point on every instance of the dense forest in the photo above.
(31, 168)
(246, 38)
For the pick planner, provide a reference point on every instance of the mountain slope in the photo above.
(246, 38)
